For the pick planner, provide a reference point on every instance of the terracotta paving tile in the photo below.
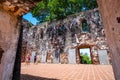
(66, 72)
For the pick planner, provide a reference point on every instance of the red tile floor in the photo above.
(66, 72)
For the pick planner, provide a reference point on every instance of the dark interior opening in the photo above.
(1, 54)
(85, 26)
(118, 19)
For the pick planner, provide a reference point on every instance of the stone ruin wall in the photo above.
(8, 41)
(40, 38)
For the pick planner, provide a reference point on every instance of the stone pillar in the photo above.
(110, 11)
(9, 33)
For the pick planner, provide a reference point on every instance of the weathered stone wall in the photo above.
(8, 43)
(72, 35)
(110, 10)
(9, 11)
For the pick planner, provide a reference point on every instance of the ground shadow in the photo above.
(31, 77)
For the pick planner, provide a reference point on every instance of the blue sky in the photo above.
(30, 18)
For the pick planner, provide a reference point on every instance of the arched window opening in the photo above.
(84, 25)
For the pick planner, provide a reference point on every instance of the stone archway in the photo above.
(82, 46)
(10, 25)
(109, 9)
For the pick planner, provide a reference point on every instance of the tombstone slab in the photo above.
(103, 57)
(43, 56)
(72, 56)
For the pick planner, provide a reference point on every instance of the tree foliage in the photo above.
(85, 59)
(50, 9)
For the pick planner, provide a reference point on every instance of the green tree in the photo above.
(47, 10)
(86, 59)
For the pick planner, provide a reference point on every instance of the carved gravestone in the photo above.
(32, 56)
(56, 56)
(43, 56)
(103, 57)
(72, 56)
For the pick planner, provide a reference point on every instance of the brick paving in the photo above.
(66, 72)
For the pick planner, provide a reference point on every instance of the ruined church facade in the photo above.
(54, 40)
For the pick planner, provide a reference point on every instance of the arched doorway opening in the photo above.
(91, 51)
(83, 48)
(85, 56)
